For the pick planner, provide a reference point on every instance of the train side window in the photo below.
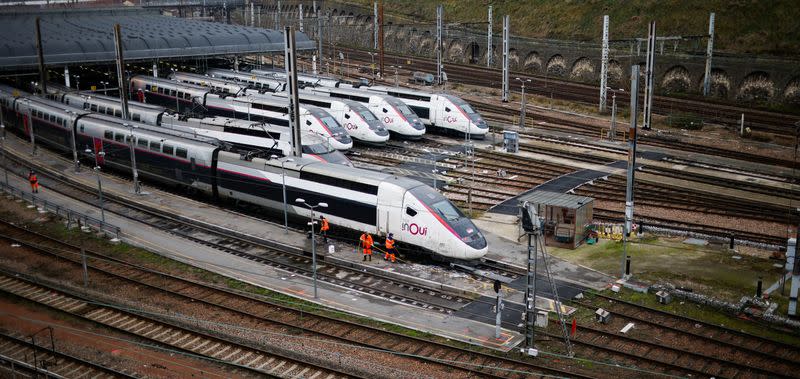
(142, 142)
(446, 109)
(82, 129)
(172, 92)
(128, 139)
(168, 149)
(155, 146)
(118, 113)
(308, 122)
(101, 109)
(411, 212)
(93, 107)
(136, 117)
(52, 119)
(385, 110)
(181, 152)
(66, 101)
(180, 94)
(147, 87)
(108, 134)
(118, 137)
(347, 116)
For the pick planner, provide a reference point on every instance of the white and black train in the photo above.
(419, 217)
(253, 107)
(441, 111)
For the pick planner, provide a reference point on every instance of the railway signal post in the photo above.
(631, 166)
(313, 240)
(506, 26)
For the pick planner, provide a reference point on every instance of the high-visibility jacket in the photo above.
(325, 225)
(389, 243)
(33, 179)
(366, 241)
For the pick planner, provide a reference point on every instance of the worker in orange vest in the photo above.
(324, 228)
(390, 249)
(34, 182)
(366, 246)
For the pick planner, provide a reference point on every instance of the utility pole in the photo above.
(278, 16)
(604, 66)
(155, 69)
(123, 92)
(290, 61)
(300, 16)
(132, 143)
(40, 53)
(709, 53)
(631, 165)
(319, 37)
(489, 40)
(30, 128)
(380, 35)
(506, 26)
(66, 76)
(374, 26)
(439, 16)
(649, 75)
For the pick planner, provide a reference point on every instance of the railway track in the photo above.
(164, 333)
(746, 354)
(711, 111)
(15, 359)
(244, 305)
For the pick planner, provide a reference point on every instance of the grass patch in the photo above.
(704, 269)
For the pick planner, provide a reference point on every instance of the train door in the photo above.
(390, 205)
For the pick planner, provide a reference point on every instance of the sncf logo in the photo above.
(451, 119)
(415, 229)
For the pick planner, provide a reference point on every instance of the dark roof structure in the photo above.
(82, 36)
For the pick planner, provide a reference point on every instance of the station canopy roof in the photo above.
(82, 36)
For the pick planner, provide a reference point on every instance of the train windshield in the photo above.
(473, 116)
(449, 214)
(405, 110)
(368, 116)
(317, 148)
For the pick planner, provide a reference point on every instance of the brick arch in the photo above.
(615, 72)
(513, 58)
(720, 83)
(582, 69)
(426, 44)
(791, 93)
(455, 51)
(473, 53)
(756, 86)
(676, 79)
(532, 62)
(556, 65)
(351, 18)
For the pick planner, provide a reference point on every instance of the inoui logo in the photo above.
(388, 120)
(415, 229)
(350, 126)
(451, 119)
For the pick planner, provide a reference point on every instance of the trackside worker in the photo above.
(324, 228)
(34, 182)
(390, 249)
(366, 245)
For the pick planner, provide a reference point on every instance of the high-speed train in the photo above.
(359, 122)
(444, 111)
(252, 107)
(266, 139)
(361, 200)
(257, 82)
(264, 135)
(393, 113)
(217, 85)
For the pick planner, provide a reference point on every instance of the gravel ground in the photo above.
(99, 344)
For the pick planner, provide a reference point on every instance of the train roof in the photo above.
(163, 82)
(358, 174)
(175, 133)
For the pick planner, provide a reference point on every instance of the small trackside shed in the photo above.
(565, 216)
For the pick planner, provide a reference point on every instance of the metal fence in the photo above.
(72, 217)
